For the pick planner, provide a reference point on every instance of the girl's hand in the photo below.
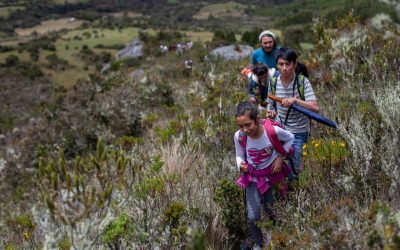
(277, 165)
(243, 167)
(271, 114)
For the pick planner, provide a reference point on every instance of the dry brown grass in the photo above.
(180, 159)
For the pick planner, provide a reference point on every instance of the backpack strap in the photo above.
(273, 82)
(299, 82)
(300, 88)
(300, 85)
(273, 138)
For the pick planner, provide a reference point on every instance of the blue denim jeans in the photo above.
(299, 140)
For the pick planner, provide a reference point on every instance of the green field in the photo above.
(23, 56)
(69, 1)
(69, 45)
(5, 12)
(73, 41)
(320, 6)
(220, 9)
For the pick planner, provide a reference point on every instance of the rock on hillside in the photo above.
(133, 49)
(233, 52)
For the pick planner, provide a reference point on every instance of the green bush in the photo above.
(64, 243)
(173, 214)
(7, 122)
(222, 37)
(11, 61)
(117, 230)
(230, 199)
(105, 167)
(251, 37)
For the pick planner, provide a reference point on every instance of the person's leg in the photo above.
(268, 202)
(253, 203)
(299, 140)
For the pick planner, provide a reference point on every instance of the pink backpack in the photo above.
(272, 136)
(276, 178)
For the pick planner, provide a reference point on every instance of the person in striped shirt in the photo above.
(286, 88)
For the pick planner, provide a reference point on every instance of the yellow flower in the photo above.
(316, 143)
(26, 235)
(388, 231)
(304, 153)
(342, 144)
(304, 146)
(333, 143)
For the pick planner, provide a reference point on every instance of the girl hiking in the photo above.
(261, 146)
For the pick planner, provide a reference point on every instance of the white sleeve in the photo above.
(284, 136)
(239, 151)
(308, 91)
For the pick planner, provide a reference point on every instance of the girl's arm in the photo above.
(239, 151)
(285, 136)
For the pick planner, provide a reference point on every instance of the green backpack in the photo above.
(300, 85)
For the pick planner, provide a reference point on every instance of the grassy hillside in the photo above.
(142, 157)
(69, 44)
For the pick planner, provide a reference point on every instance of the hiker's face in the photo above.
(267, 43)
(247, 125)
(285, 67)
(263, 79)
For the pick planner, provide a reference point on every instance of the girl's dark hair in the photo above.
(260, 69)
(287, 54)
(247, 108)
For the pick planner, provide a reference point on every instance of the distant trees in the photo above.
(11, 60)
(223, 37)
(28, 70)
(251, 37)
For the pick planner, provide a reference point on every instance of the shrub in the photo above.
(23, 228)
(11, 61)
(251, 37)
(5, 48)
(173, 214)
(74, 190)
(223, 37)
(118, 229)
(229, 197)
(167, 133)
(64, 243)
(326, 153)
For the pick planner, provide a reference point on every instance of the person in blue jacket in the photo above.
(266, 54)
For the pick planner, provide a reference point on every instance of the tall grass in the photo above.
(177, 187)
